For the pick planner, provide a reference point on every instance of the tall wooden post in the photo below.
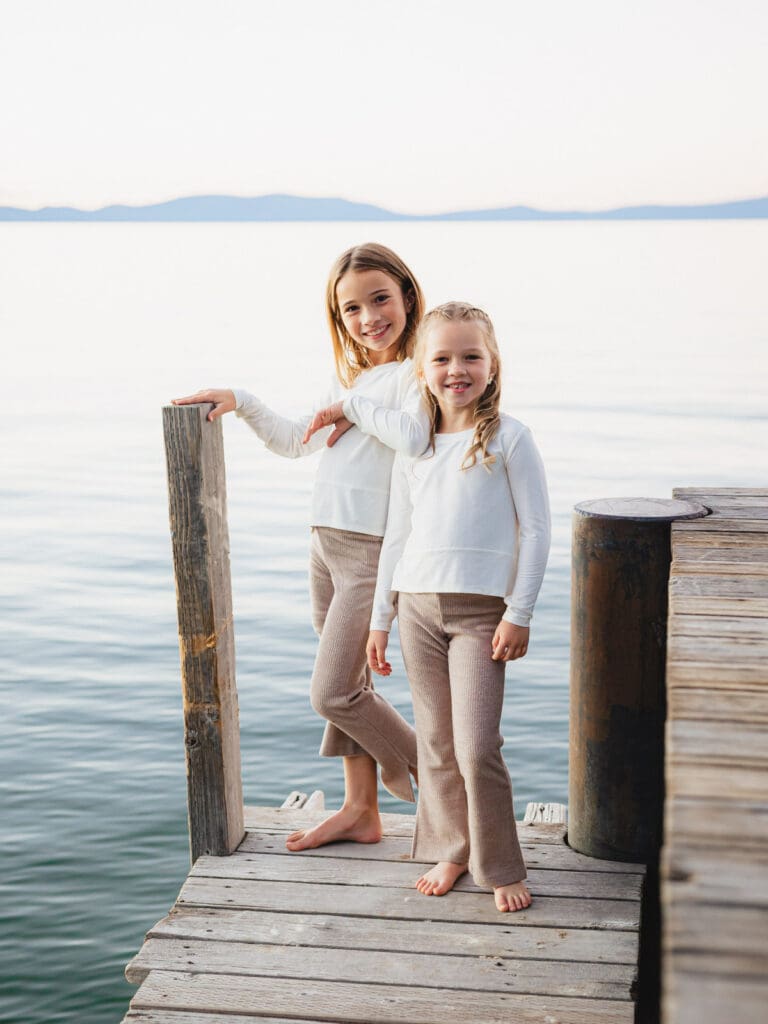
(621, 560)
(198, 512)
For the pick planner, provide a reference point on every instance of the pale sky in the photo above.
(418, 106)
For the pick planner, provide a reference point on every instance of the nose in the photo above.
(368, 315)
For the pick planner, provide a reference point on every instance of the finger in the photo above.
(334, 436)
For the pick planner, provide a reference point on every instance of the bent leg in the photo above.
(341, 689)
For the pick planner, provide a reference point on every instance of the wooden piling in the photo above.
(198, 518)
(621, 559)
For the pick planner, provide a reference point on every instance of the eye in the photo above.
(349, 309)
(381, 299)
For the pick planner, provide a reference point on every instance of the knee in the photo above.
(324, 702)
(481, 758)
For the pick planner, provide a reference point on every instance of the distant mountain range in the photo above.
(296, 208)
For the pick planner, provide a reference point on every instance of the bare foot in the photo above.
(441, 878)
(512, 897)
(350, 823)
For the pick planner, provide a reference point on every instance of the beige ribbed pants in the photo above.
(343, 568)
(465, 812)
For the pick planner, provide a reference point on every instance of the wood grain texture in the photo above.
(513, 940)
(266, 867)
(403, 904)
(384, 1004)
(395, 848)
(714, 866)
(200, 541)
(483, 973)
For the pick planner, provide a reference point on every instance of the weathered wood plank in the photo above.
(718, 625)
(721, 563)
(694, 998)
(723, 822)
(278, 820)
(185, 1017)
(706, 781)
(550, 814)
(267, 867)
(708, 676)
(718, 585)
(698, 493)
(696, 878)
(719, 705)
(438, 937)
(718, 649)
(727, 931)
(722, 524)
(394, 848)
(743, 963)
(384, 1004)
(369, 901)
(743, 745)
(488, 974)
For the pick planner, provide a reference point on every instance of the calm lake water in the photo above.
(636, 352)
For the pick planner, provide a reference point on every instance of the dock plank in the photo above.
(383, 1004)
(719, 705)
(267, 867)
(514, 940)
(358, 966)
(395, 848)
(404, 904)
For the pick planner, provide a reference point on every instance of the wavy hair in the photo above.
(486, 418)
(350, 357)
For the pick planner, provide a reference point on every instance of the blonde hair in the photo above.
(487, 417)
(350, 357)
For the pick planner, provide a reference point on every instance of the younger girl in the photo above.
(463, 558)
(373, 305)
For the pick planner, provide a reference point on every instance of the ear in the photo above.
(409, 300)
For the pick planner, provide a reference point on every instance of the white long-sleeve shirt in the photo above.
(454, 531)
(351, 490)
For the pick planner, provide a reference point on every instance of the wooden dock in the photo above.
(340, 934)
(714, 883)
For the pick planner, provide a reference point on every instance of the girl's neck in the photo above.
(455, 421)
(389, 355)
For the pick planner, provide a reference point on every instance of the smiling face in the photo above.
(456, 365)
(374, 312)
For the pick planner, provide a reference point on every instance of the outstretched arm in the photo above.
(222, 398)
(332, 415)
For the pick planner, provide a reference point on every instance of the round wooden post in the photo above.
(621, 560)
(198, 512)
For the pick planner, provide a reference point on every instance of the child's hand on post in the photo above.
(222, 398)
(510, 642)
(333, 414)
(376, 650)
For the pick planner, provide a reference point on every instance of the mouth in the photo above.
(458, 387)
(377, 333)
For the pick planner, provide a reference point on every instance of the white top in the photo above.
(351, 489)
(454, 531)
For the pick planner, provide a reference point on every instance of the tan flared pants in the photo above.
(343, 568)
(465, 812)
